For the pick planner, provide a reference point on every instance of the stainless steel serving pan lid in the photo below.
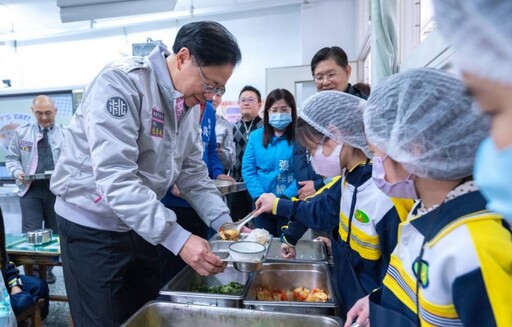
(157, 313)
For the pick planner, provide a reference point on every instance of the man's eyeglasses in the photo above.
(207, 88)
(249, 100)
(41, 114)
(329, 77)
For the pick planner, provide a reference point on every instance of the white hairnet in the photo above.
(338, 116)
(481, 33)
(423, 119)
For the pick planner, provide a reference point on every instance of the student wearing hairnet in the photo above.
(446, 269)
(362, 219)
(484, 27)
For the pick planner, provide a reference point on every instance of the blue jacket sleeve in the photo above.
(293, 232)
(320, 212)
(250, 170)
(302, 170)
(215, 168)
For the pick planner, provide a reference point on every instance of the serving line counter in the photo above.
(265, 297)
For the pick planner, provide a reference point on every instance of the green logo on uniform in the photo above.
(423, 276)
(361, 217)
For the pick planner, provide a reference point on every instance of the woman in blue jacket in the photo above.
(266, 165)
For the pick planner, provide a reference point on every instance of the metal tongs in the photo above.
(237, 226)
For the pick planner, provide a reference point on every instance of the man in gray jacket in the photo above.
(135, 134)
(34, 149)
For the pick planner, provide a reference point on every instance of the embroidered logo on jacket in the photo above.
(423, 274)
(25, 145)
(117, 107)
(157, 123)
(361, 217)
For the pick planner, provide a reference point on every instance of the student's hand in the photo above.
(361, 311)
(245, 229)
(15, 290)
(264, 203)
(288, 251)
(220, 151)
(224, 177)
(307, 189)
(20, 175)
(327, 243)
(197, 254)
(175, 190)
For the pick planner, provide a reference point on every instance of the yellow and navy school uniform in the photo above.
(464, 255)
(321, 214)
(362, 244)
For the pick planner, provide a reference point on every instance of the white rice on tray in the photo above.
(259, 235)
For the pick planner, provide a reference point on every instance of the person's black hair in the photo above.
(308, 136)
(209, 42)
(363, 87)
(252, 89)
(268, 130)
(336, 53)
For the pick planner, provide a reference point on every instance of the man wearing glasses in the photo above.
(134, 135)
(331, 71)
(249, 101)
(34, 149)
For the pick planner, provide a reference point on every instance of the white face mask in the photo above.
(327, 166)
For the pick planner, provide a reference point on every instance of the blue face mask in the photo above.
(493, 175)
(280, 120)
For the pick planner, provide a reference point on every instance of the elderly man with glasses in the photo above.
(134, 135)
(34, 149)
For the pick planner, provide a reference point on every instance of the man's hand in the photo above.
(307, 189)
(20, 175)
(288, 251)
(264, 203)
(224, 177)
(361, 311)
(197, 254)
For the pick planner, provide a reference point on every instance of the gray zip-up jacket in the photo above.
(125, 150)
(22, 152)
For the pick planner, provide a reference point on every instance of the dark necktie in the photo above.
(44, 140)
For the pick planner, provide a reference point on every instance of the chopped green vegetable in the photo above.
(230, 289)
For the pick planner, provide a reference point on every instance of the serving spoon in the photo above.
(231, 231)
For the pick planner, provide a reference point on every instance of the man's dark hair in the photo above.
(210, 43)
(268, 130)
(252, 89)
(336, 53)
